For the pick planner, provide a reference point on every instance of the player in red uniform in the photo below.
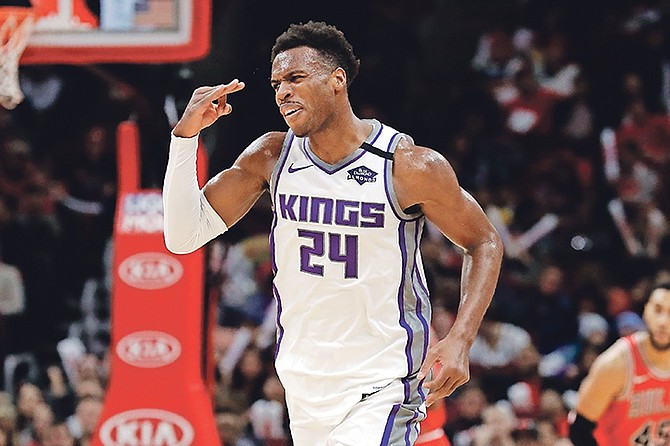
(625, 399)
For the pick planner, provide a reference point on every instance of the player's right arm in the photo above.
(603, 384)
(192, 216)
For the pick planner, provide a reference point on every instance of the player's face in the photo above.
(303, 85)
(657, 317)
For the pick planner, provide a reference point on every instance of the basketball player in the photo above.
(625, 398)
(350, 197)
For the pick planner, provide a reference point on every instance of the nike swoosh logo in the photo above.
(640, 379)
(292, 169)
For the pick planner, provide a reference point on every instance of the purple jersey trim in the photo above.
(401, 297)
(408, 427)
(280, 328)
(389, 425)
(419, 312)
(388, 185)
(273, 188)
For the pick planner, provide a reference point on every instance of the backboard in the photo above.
(118, 31)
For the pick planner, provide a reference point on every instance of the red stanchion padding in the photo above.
(156, 395)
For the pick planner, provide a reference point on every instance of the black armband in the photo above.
(581, 431)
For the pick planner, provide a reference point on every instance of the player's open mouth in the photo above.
(289, 109)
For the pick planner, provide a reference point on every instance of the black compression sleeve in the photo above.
(581, 431)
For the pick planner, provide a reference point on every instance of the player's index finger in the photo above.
(224, 89)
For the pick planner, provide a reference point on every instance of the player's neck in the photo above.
(660, 358)
(340, 137)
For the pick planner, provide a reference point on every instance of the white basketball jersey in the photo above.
(353, 307)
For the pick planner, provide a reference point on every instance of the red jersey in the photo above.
(432, 432)
(640, 416)
(532, 115)
(652, 136)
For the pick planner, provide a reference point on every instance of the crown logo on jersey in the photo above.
(362, 175)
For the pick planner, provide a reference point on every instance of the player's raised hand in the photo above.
(207, 104)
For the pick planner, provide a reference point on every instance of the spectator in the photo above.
(618, 299)
(638, 185)
(89, 388)
(553, 69)
(501, 355)
(245, 384)
(29, 397)
(243, 296)
(231, 427)
(32, 243)
(17, 170)
(12, 305)
(497, 427)
(466, 412)
(43, 419)
(496, 60)
(59, 395)
(8, 420)
(82, 423)
(524, 399)
(548, 434)
(12, 291)
(565, 367)
(530, 113)
(553, 408)
(526, 434)
(649, 132)
(628, 322)
(58, 435)
(87, 203)
(268, 416)
(638, 181)
(553, 319)
(593, 329)
(5, 438)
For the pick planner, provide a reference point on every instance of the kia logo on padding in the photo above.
(148, 349)
(153, 427)
(150, 271)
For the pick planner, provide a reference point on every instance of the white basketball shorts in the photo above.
(387, 417)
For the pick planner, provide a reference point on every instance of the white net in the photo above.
(15, 30)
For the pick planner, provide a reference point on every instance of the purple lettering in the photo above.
(317, 249)
(286, 207)
(303, 208)
(350, 256)
(316, 210)
(344, 217)
(373, 211)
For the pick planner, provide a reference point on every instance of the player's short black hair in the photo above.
(661, 286)
(326, 39)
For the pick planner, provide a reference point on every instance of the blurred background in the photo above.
(553, 114)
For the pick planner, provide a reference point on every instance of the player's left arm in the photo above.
(424, 177)
(607, 378)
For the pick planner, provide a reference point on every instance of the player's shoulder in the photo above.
(411, 158)
(269, 143)
(261, 155)
(264, 148)
(614, 360)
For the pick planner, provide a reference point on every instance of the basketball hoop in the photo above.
(16, 24)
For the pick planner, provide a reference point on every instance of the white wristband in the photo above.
(190, 221)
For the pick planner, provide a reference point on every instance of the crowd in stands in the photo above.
(555, 116)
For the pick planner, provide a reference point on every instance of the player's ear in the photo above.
(339, 77)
